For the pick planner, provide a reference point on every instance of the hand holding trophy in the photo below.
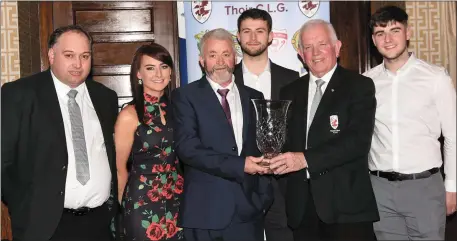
(271, 117)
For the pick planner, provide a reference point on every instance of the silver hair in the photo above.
(219, 34)
(315, 22)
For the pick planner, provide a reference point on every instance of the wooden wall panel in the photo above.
(46, 27)
(103, 53)
(115, 20)
(350, 20)
(102, 5)
(28, 34)
(118, 83)
(123, 37)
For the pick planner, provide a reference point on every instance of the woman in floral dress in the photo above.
(150, 192)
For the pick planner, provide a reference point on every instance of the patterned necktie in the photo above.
(79, 142)
(225, 104)
(317, 98)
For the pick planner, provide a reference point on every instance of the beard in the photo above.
(255, 52)
(220, 74)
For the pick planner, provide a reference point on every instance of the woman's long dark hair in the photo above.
(155, 51)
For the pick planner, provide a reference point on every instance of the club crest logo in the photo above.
(308, 8)
(295, 39)
(334, 121)
(279, 40)
(201, 10)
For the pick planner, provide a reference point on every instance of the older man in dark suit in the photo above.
(329, 194)
(224, 195)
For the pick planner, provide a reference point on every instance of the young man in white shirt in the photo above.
(257, 71)
(416, 104)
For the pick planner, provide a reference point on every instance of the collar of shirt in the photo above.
(63, 89)
(246, 70)
(215, 86)
(411, 61)
(326, 78)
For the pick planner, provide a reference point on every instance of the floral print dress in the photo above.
(150, 203)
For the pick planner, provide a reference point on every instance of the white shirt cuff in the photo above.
(307, 174)
(450, 185)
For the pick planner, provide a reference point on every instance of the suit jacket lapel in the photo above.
(238, 72)
(99, 106)
(48, 97)
(329, 93)
(245, 99)
(301, 97)
(212, 102)
(275, 81)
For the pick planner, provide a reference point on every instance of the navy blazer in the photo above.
(280, 77)
(215, 185)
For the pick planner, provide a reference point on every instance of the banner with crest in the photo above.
(198, 17)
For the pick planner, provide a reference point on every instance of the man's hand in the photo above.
(450, 203)
(252, 166)
(288, 162)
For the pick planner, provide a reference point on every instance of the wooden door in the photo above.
(117, 29)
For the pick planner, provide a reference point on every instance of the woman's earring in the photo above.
(140, 81)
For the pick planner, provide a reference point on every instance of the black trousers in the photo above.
(313, 229)
(276, 228)
(94, 226)
(236, 231)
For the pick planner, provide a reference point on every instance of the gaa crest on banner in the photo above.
(309, 8)
(279, 40)
(201, 10)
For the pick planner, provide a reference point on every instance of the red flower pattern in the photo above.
(154, 195)
(155, 231)
(154, 183)
(157, 168)
(171, 228)
(167, 193)
(179, 185)
(142, 178)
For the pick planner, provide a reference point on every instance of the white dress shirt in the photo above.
(236, 110)
(414, 106)
(260, 82)
(312, 86)
(97, 189)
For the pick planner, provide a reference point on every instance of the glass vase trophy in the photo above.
(271, 117)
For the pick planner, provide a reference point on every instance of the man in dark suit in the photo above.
(257, 71)
(329, 194)
(58, 158)
(224, 195)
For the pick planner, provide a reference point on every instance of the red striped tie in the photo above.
(225, 104)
